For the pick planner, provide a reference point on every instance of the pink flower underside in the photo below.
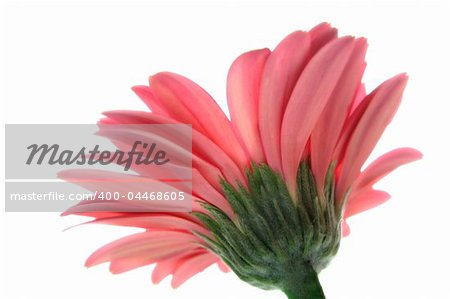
(305, 98)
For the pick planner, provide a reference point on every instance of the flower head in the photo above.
(274, 185)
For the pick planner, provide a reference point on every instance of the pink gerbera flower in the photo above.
(274, 185)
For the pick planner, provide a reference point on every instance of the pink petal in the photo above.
(345, 228)
(149, 99)
(349, 126)
(320, 36)
(166, 267)
(155, 245)
(206, 153)
(212, 154)
(202, 189)
(308, 99)
(378, 110)
(223, 267)
(154, 220)
(122, 265)
(189, 103)
(243, 86)
(327, 131)
(364, 202)
(359, 97)
(384, 165)
(282, 69)
(93, 214)
(192, 266)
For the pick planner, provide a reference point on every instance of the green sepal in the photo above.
(273, 241)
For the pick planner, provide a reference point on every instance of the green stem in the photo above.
(303, 283)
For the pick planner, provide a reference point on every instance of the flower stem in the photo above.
(303, 283)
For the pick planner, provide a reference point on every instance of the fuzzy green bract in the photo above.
(276, 241)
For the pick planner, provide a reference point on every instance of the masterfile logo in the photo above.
(103, 167)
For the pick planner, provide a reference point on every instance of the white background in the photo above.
(67, 62)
